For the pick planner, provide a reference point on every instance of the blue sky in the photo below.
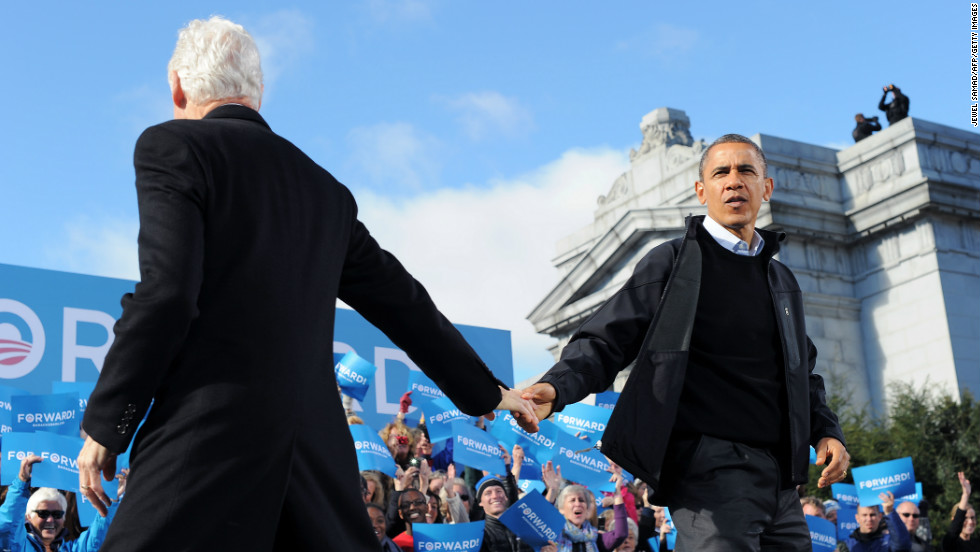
(474, 134)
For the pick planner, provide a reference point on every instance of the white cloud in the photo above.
(396, 156)
(482, 113)
(484, 253)
(104, 247)
(283, 38)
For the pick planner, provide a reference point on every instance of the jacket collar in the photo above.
(693, 221)
(236, 111)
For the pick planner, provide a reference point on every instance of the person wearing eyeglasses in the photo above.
(412, 507)
(874, 536)
(44, 514)
(910, 517)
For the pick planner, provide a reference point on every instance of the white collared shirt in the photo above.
(732, 242)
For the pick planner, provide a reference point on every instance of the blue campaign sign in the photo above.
(845, 493)
(473, 447)
(51, 413)
(530, 467)
(823, 534)
(584, 419)
(6, 410)
(672, 534)
(534, 520)
(440, 414)
(606, 399)
(57, 326)
(462, 537)
(354, 375)
(58, 451)
(423, 389)
(83, 388)
(914, 498)
(372, 454)
(846, 522)
(813, 455)
(528, 485)
(894, 476)
(540, 445)
(581, 463)
(86, 512)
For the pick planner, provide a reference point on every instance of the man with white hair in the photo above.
(44, 514)
(245, 245)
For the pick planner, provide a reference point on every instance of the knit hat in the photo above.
(484, 484)
(831, 506)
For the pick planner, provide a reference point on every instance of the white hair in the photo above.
(45, 494)
(631, 525)
(215, 60)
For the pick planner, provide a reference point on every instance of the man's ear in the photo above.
(699, 190)
(768, 191)
(177, 92)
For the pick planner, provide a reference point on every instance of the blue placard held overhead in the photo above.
(372, 454)
(534, 520)
(823, 534)
(50, 413)
(845, 494)
(440, 414)
(423, 389)
(606, 399)
(672, 534)
(475, 448)
(540, 444)
(6, 410)
(846, 522)
(894, 476)
(58, 451)
(461, 537)
(914, 498)
(581, 463)
(354, 375)
(586, 420)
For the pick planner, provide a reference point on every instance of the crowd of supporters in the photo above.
(428, 489)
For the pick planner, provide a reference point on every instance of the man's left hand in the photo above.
(830, 451)
(521, 409)
(93, 460)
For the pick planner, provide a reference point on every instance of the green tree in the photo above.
(939, 431)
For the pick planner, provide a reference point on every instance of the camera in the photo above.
(414, 462)
(875, 118)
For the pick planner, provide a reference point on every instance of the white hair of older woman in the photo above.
(45, 494)
(634, 529)
(215, 60)
(570, 489)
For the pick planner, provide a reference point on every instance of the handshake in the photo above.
(528, 406)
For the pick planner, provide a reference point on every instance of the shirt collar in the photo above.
(731, 242)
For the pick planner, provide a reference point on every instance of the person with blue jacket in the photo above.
(874, 536)
(43, 527)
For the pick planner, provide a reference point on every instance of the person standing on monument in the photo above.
(720, 424)
(245, 245)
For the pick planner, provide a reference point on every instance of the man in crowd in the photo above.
(910, 517)
(898, 109)
(864, 127)
(812, 506)
(874, 536)
(245, 245)
(44, 514)
(722, 404)
(412, 507)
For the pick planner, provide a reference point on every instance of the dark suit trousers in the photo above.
(726, 497)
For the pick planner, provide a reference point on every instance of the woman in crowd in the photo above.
(628, 545)
(579, 534)
(376, 488)
(960, 534)
(377, 515)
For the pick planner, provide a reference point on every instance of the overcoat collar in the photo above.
(236, 111)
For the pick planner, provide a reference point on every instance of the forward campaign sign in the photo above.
(457, 537)
(894, 476)
(534, 520)
(56, 413)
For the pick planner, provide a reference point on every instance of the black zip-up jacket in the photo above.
(613, 337)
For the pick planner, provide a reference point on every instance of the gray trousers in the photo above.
(727, 498)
